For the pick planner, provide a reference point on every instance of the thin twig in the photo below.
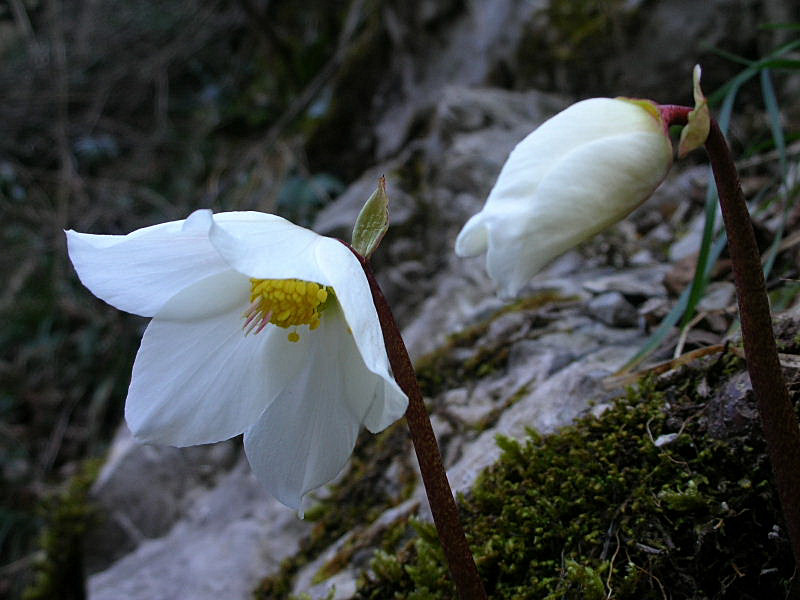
(615, 381)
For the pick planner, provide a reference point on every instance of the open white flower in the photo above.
(259, 327)
(579, 172)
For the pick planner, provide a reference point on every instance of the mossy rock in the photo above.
(447, 368)
(67, 515)
(606, 506)
(365, 491)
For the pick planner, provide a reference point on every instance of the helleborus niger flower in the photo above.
(258, 327)
(579, 172)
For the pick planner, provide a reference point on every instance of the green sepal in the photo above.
(648, 105)
(695, 133)
(372, 222)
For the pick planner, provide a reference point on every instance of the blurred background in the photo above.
(117, 114)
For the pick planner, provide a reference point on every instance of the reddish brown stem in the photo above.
(440, 496)
(778, 419)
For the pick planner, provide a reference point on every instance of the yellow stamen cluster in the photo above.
(285, 303)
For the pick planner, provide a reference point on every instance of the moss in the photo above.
(364, 493)
(67, 516)
(598, 510)
(419, 579)
(387, 537)
(580, 582)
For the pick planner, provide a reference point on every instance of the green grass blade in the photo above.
(699, 281)
(790, 26)
(709, 252)
(782, 63)
(703, 267)
(752, 69)
(774, 114)
(664, 328)
(735, 58)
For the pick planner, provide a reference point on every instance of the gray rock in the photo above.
(732, 409)
(632, 48)
(460, 296)
(142, 490)
(231, 537)
(467, 408)
(643, 282)
(337, 218)
(476, 40)
(652, 62)
(653, 310)
(688, 244)
(718, 295)
(613, 309)
(431, 291)
(474, 130)
(343, 583)
(551, 359)
(545, 407)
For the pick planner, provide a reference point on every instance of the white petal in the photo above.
(579, 124)
(269, 247)
(141, 271)
(589, 189)
(305, 436)
(473, 239)
(350, 284)
(266, 246)
(208, 297)
(201, 381)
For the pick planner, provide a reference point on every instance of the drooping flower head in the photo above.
(579, 172)
(258, 327)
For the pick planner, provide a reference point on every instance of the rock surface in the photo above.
(193, 523)
(143, 490)
(226, 540)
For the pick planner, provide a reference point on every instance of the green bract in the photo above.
(372, 222)
(696, 131)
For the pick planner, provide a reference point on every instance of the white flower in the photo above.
(579, 172)
(258, 327)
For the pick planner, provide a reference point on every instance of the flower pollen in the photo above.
(285, 303)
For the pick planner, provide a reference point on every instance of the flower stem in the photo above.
(777, 414)
(440, 496)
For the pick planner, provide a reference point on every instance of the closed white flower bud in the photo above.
(578, 173)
